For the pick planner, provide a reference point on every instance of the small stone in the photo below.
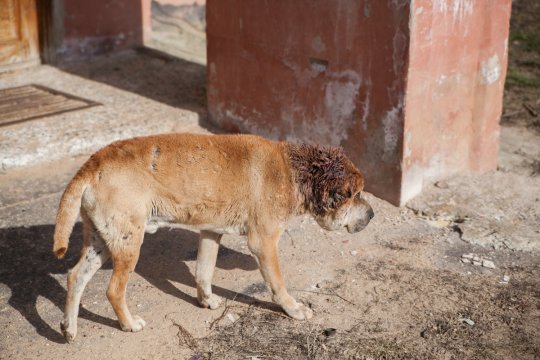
(440, 224)
(329, 332)
(466, 261)
(477, 263)
(468, 322)
(476, 258)
(354, 253)
(488, 264)
(231, 317)
(467, 256)
(442, 185)
(505, 279)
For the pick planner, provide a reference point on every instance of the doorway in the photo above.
(19, 36)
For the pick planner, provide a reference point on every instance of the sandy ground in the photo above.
(406, 287)
(400, 288)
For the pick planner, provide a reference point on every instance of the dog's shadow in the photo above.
(27, 267)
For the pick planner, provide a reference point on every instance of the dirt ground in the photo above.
(404, 288)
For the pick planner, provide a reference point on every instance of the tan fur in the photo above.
(220, 184)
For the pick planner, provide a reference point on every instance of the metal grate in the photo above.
(30, 102)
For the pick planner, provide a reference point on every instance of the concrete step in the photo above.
(139, 94)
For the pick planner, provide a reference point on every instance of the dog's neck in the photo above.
(314, 168)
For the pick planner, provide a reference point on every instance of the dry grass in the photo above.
(507, 322)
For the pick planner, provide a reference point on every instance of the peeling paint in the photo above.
(340, 99)
(249, 125)
(460, 9)
(318, 65)
(408, 151)
(366, 107)
(317, 44)
(400, 42)
(490, 70)
(391, 128)
(367, 8)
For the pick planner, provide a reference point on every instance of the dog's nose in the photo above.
(371, 214)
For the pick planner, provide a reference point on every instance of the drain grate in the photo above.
(30, 102)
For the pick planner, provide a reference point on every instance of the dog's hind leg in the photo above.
(125, 254)
(206, 262)
(94, 254)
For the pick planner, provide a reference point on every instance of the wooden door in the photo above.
(19, 44)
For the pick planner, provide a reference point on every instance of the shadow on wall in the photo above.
(27, 267)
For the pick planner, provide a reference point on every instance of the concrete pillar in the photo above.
(411, 89)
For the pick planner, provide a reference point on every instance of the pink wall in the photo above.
(99, 26)
(319, 71)
(455, 86)
(411, 90)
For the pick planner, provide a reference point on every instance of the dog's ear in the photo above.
(331, 197)
(328, 172)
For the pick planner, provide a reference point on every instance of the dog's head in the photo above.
(331, 186)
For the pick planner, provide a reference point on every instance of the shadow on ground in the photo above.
(27, 267)
(152, 74)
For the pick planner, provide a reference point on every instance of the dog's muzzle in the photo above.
(362, 223)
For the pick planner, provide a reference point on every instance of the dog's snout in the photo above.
(371, 214)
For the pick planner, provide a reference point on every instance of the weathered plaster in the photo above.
(490, 70)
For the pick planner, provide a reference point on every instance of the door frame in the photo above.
(50, 29)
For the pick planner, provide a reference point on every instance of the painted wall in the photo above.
(410, 89)
(455, 86)
(100, 26)
(329, 72)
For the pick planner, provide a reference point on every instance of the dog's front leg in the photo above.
(206, 262)
(266, 251)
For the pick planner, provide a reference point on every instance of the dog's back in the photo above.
(198, 180)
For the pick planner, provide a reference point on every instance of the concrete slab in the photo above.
(140, 95)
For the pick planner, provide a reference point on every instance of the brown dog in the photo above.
(221, 184)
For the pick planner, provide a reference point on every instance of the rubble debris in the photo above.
(442, 185)
(231, 317)
(467, 321)
(477, 261)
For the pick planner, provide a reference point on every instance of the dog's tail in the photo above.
(68, 210)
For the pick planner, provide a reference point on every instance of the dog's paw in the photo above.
(212, 302)
(136, 325)
(300, 312)
(69, 333)
(293, 308)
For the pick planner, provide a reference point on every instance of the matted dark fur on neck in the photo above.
(324, 181)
